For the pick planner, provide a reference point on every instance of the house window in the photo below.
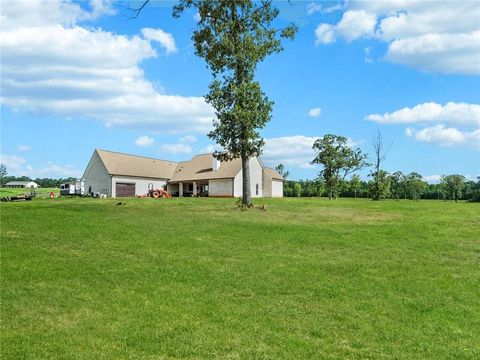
(256, 189)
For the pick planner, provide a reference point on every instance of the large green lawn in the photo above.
(200, 279)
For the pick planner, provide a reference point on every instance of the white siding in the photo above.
(277, 188)
(96, 177)
(267, 185)
(141, 184)
(223, 187)
(256, 178)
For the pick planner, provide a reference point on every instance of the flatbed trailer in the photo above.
(17, 198)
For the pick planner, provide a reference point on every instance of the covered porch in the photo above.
(189, 188)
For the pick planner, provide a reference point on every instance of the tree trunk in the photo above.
(246, 193)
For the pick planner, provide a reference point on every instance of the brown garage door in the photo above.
(124, 190)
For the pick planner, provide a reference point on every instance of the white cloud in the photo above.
(324, 34)
(445, 136)
(177, 148)
(56, 68)
(454, 113)
(313, 7)
(38, 13)
(197, 17)
(144, 141)
(315, 112)
(289, 150)
(293, 150)
(24, 148)
(163, 38)
(440, 36)
(18, 166)
(188, 139)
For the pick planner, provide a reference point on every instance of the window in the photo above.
(256, 189)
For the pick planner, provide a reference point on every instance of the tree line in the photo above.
(339, 159)
(394, 186)
(42, 182)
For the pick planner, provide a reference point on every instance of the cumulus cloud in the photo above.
(452, 112)
(289, 150)
(315, 112)
(52, 66)
(177, 148)
(18, 166)
(293, 150)
(144, 141)
(163, 38)
(431, 36)
(445, 136)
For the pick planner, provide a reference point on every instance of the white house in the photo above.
(21, 184)
(119, 175)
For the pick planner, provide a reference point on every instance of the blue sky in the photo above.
(81, 75)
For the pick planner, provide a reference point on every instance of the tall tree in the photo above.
(233, 36)
(338, 160)
(3, 174)
(453, 186)
(380, 150)
(282, 171)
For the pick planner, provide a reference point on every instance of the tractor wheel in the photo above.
(156, 194)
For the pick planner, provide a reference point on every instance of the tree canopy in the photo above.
(233, 36)
(338, 160)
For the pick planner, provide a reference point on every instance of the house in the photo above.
(119, 175)
(21, 184)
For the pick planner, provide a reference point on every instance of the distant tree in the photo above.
(397, 185)
(453, 186)
(297, 189)
(379, 186)
(3, 174)
(414, 185)
(338, 160)
(282, 171)
(380, 152)
(355, 184)
(233, 37)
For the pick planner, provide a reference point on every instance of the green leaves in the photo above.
(233, 36)
(338, 159)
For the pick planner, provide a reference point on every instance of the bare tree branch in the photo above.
(138, 10)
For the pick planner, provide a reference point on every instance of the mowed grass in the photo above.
(201, 279)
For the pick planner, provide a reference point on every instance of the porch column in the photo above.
(194, 188)
(180, 189)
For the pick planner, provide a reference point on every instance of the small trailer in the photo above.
(75, 188)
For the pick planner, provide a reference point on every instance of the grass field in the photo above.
(200, 279)
(41, 192)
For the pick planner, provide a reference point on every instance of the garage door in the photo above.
(124, 190)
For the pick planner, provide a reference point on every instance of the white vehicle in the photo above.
(75, 188)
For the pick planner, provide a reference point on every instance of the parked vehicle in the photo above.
(75, 188)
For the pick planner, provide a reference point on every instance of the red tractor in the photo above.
(157, 193)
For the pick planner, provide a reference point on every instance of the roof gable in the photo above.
(200, 168)
(137, 166)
